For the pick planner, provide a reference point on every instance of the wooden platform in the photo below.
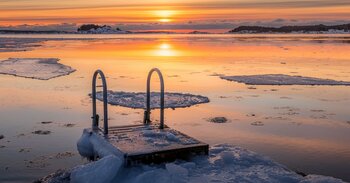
(149, 144)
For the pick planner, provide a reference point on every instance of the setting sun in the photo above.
(165, 20)
(164, 15)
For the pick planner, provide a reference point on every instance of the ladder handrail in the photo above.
(95, 117)
(148, 100)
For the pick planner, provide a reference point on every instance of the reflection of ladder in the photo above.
(130, 139)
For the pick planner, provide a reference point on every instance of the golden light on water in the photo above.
(165, 50)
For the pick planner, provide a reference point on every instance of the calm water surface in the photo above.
(306, 128)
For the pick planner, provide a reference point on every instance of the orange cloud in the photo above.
(109, 11)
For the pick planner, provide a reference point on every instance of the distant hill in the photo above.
(154, 32)
(198, 32)
(97, 29)
(345, 28)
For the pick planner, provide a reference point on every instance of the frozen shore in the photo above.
(138, 99)
(282, 79)
(225, 163)
(35, 68)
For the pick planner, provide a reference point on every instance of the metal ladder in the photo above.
(95, 117)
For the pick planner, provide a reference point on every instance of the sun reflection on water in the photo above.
(165, 50)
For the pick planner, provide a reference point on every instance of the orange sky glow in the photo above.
(37, 12)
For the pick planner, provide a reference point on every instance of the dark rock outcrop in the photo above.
(291, 29)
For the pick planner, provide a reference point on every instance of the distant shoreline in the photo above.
(176, 33)
(308, 29)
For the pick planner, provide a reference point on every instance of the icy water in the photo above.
(306, 128)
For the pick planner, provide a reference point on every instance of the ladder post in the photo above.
(147, 113)
(95, 117)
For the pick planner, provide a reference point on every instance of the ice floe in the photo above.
(35, 68)
(138, 99)
(282, 79)
(16, 44)
(225, 163)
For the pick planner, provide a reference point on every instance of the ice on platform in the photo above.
(35, 68)
(225, 163)
(138, 99)
(149, 140)
(282, 79)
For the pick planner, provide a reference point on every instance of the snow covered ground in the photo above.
(225, 163)
(282, 79)
(35, 68)
(138, 99)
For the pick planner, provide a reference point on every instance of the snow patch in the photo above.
(282, 79)
(35, 68)
(225, 163)
(138, 99)
(102, 171)
(320, 179)
(91, 144)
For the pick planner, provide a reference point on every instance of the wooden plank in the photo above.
(129, 139)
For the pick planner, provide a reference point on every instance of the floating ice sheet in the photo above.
(35, 68)
(16, 45)
(282, 79)
(138, 99)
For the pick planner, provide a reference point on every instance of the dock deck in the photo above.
(149, 144)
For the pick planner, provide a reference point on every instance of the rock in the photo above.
(64, 155)
(26, 150)
(218, 120)
(42, 132)
(68, 125)
(2, 136)
(257, 123)
(46, 122)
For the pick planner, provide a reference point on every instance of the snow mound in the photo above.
(98, 171)
(35, 68)
(225, 163)
(138, 99)
(282, 79)
(91, 145)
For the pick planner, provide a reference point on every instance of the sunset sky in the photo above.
(169, 15)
